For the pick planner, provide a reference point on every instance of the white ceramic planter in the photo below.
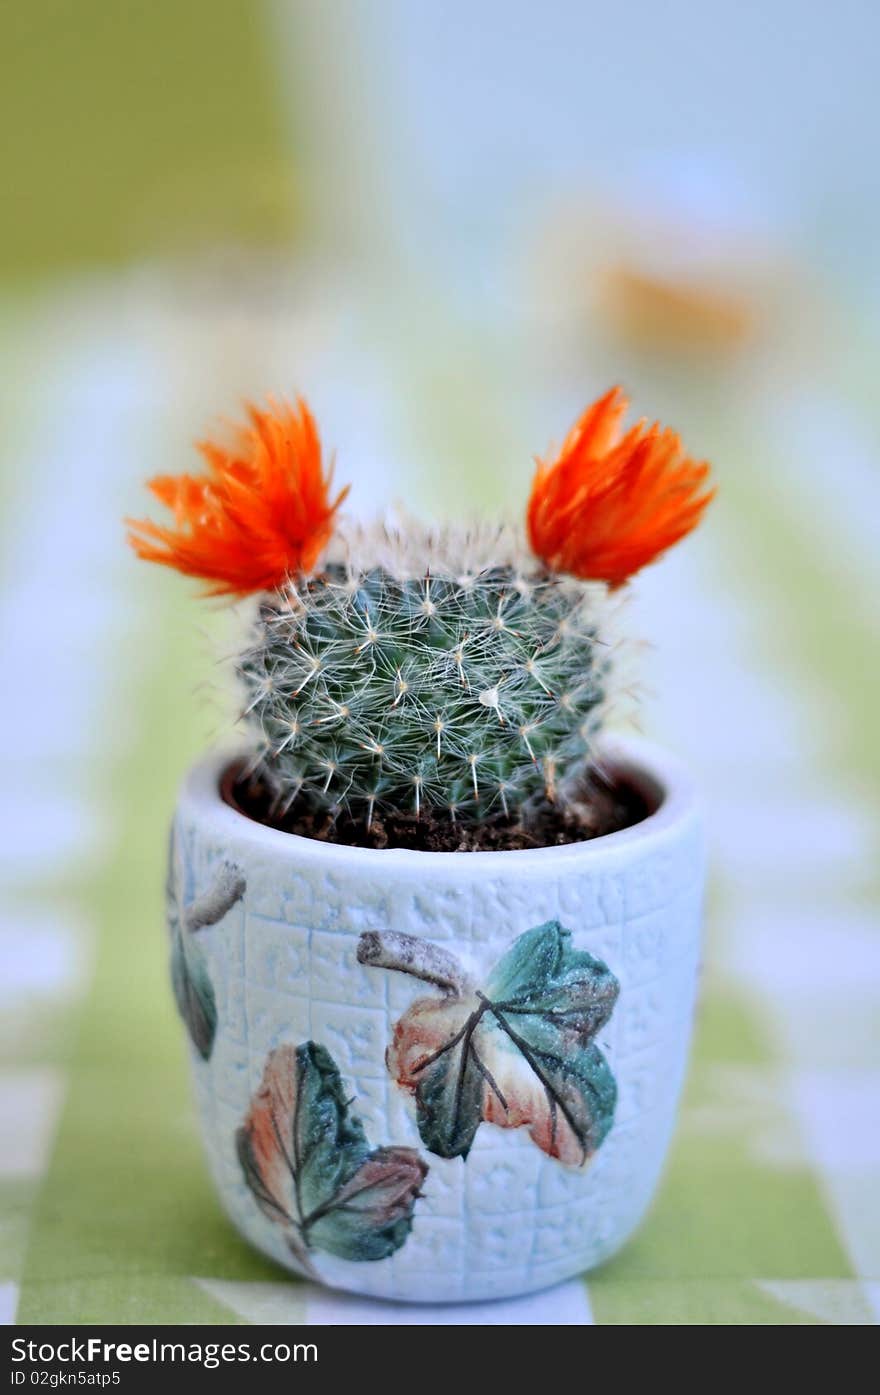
(581, 1084)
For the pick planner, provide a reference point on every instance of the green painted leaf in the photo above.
(194, 993)
(188, 914)
(542, 974)
(580, 1092)
(371, 1215)
(520, 1054)
(328, 1140)
(449, 1094)
(309, 1165)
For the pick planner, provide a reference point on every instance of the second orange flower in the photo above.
(610, 502)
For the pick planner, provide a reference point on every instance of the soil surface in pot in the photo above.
(604, 805)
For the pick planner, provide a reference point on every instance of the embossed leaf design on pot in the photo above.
(187, 914)
(519, 1053)
(194, 994)
(307, 1161)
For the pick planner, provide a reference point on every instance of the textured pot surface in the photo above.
(477, 1115)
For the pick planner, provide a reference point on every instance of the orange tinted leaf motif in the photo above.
(519, 1054)
(611, 502)
(261, 512)
(308, 1164)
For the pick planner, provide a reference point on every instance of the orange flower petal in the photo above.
(261, 513)
(610, 504)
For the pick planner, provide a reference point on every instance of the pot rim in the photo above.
(660, 777)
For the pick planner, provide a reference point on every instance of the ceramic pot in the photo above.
(437, 1076)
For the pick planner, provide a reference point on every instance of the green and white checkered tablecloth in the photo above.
(764, 677)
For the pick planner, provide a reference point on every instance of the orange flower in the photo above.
(261, 512)
(611, 503)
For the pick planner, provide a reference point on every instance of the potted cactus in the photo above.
(434, 934)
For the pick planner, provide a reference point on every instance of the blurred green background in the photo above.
(450, 227)
(137, 129)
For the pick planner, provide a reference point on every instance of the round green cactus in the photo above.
(465, 694)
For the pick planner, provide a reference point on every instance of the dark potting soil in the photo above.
(604, 805)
